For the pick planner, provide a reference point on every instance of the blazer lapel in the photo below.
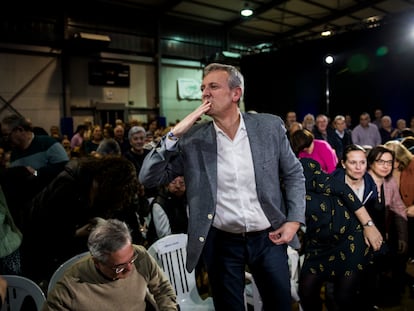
(257, 141)
(209, 154)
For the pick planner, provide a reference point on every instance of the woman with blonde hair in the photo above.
(403, 174)
(90, 146)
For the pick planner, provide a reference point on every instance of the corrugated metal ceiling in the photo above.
(278, 20)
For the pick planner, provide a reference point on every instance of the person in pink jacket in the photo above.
(305, 145)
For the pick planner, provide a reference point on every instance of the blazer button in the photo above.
(210, 216)
(201, 239)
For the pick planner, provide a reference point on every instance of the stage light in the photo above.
(246, 11)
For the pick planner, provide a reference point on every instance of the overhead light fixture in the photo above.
(373, 21)
(92, 36)
(231, 54)
(246, 11)
(329, 59)
(326, 33)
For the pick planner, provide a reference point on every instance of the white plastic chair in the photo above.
(170, 253)
(252, 295)
(18, 288)
(62, 268)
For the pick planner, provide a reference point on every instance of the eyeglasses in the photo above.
(121, 267)
(176, 182)
(383, 162)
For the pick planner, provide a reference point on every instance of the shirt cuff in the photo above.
(170, 145)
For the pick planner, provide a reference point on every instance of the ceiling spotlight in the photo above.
(329, 59)
(247, 11)
(373, 21)
(326, 33)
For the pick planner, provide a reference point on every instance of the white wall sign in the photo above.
(189, 88)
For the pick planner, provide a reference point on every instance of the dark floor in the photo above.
(407, 300)
(407, 304)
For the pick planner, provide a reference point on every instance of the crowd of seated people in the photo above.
(375, 163)
(56, 185)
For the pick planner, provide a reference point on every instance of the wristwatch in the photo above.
(171, 136)
(369, 223)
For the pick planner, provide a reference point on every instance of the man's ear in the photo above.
(237, 93)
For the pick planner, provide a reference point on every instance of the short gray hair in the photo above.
(136, 129)
(235, 77)
(108, 146)
(108, 237)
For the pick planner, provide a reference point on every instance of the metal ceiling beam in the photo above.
(168, 6)
(335, 15)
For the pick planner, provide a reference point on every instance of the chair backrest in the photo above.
(18, 288)
(294, 267)
(62, 268)
(251, 294)
(170, 253)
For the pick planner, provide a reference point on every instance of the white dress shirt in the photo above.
(238, 208)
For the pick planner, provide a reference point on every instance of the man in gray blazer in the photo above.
(235, 168)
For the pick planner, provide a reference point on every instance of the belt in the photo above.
(243, 234)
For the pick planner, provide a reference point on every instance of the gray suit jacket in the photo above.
(196, 159)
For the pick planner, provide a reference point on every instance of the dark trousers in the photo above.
(226, 256)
